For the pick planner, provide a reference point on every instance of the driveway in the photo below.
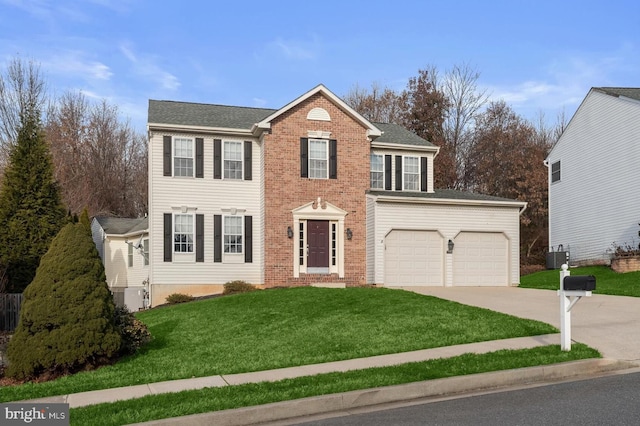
(610, 324)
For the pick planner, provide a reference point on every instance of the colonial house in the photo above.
(593, 171)
(123, 246)
(311, 194)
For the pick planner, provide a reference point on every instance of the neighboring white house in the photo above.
(593, 177)
(311, 194)
(123, 245)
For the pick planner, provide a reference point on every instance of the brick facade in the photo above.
(285, 190)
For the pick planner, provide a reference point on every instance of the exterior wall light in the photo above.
(289, 232)
(450, 246)
(349, 234)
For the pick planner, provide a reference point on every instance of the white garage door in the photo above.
(413, 258)
(481, 259)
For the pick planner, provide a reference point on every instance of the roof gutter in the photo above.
(451, 202)
(158, 127)
(390, 145)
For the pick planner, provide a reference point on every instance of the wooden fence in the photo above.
(10, 311)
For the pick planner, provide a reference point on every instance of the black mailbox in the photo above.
(580, 282)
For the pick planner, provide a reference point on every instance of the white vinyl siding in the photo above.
(449, 221)
(183, 157)
(318, 159)
(377, 171)
(208, 197)
(595, 205)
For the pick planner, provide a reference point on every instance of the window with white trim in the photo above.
(130, 254)
(318, 159)
(555, 171)
(232, 160)
(233, 234)
(183, 236)
(377, 171)
(411, 174)
(145, 246)
(183, 157)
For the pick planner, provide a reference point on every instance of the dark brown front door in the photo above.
(318, 243)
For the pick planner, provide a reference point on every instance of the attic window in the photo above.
(555, 171)
(318, 114)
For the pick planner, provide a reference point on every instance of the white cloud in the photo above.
(296, 50)
(146, 67)
(74, 63)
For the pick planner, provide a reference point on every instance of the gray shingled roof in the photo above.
(448, 194)
(122, 225)
(234, 117)
(628, 92)
(205, 115)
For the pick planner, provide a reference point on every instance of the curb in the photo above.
(393, 394)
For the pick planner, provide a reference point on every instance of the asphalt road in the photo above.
(611, 400)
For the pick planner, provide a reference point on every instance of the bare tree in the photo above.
(378, 104)
(22, 89)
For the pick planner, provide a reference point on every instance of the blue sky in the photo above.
(539, 56)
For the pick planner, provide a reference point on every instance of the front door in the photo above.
(318, 246)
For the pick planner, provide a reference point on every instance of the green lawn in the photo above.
(607, 281)
(214, 399)
(287, 327)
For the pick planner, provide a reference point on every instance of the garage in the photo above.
(481, 259)
(413, 258)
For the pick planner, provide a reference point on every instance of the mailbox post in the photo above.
(571, 290)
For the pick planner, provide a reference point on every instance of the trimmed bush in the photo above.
(134, 332)
(67, 317)
(174, 298)
(238, 286)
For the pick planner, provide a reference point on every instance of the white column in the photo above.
(565, 312)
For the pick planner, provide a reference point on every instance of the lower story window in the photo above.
(183, 233)
(233, 234)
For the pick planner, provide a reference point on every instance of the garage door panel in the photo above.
(480, 259)
(413, 258)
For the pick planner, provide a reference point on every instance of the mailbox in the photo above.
(579, 282)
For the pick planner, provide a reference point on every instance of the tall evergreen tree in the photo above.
(31, 211)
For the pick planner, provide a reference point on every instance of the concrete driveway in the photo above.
(610, 324)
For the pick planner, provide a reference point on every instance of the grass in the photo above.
(288, 327)
(607, 281)
(215, 399)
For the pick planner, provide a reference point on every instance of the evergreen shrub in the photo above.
(238, 286)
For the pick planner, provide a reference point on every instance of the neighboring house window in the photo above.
(183, 233)
(183, 157)
(145, 245)
(411, 174)
(232, 160)
(233, 234)
(377, 171)
(318, 158)
(555, 171)
(130, 254)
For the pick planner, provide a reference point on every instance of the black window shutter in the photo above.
(217, 159)
(304, 157)
(217, 238)
(248, 239)
(333, 159)
(166, 159)
(247, 160)
(199, 238)
(387, 172)
(423, 174)
(168, 237)
(398, 172)
(199, 157)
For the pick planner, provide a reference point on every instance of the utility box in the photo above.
(579, 282)
(555, 259)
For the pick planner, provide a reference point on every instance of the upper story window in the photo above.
(232, 160)
(183, 233)
(183, 157)
(555, 171)
(233, 234)
(377, 171)
(318, 158)
(130, 254)
(411, 174)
